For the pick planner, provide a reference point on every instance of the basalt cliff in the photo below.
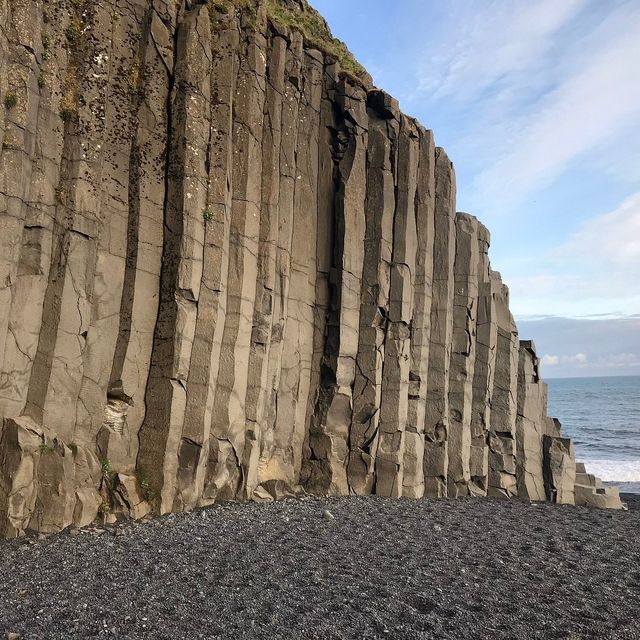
(232, 269)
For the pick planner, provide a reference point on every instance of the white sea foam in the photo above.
(614, 470)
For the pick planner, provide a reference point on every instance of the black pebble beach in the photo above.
(379, 568)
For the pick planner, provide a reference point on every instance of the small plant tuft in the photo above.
(46, 42)
(107, 469)
(134, 79)
(46, 449)
(104, 509)
(67, 111)
(10, 100)
(147, 490)
(69, 100)
(42, 80)
(207, 214)
(74, 449)
(74, 31)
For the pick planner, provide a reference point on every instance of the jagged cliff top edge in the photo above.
(299, 15)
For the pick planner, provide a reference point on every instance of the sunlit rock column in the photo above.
(530, 424)
(502, 443)
(375, 290)
(395, 383)
(413, 476)
(559, 462)
(297, 341)
(465, 308)
(183, 242)
(229, 420)
(437, 406)
(484, 369)
(273, 429)
(329, 430)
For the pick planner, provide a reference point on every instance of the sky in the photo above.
(537, 102)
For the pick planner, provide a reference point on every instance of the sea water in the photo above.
(602, 416)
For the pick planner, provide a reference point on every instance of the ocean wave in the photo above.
(614, 470)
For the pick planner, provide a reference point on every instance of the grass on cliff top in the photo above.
(299, 15)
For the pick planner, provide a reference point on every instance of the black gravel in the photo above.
(381, 569)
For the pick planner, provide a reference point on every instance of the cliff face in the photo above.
(229, 270)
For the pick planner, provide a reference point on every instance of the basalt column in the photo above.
(329, 429)
(273, 429)
(295, 378)
(394, 403)
(465, 307)
(437, 405)
(413, 472)
(229, 419)
(530, 421)
(194, 445)
(502, 443)
(484, 369)
(375, 291)
(181, 275)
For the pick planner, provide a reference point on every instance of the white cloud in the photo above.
(595, 270)
(584, 110)
(493, 42)
(579, 360)
(613, 237)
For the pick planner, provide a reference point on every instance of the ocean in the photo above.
(602, 416)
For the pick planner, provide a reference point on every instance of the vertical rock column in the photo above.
(193, 453)
(160, 434)
(114, 151)
(437, 406)
(30, 155)
(295, 378)
(530, 424)
(272, 430)
(329, 432)
(484, 369)
(502, 443)
(227, 436)
(58, 364)
(257, 388)
(394, 404)
(463, 354)
(148, 85)
(559, 469)
(374, 297)
(413, 472)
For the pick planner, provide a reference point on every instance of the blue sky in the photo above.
(538, 105)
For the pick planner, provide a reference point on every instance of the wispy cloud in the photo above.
(579, 360)
(594, 272)
(613, 237)
(496, 43)
(588, 106)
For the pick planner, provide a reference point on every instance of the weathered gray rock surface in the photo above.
(230, 270)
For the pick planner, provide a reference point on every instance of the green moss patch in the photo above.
(298, 15)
